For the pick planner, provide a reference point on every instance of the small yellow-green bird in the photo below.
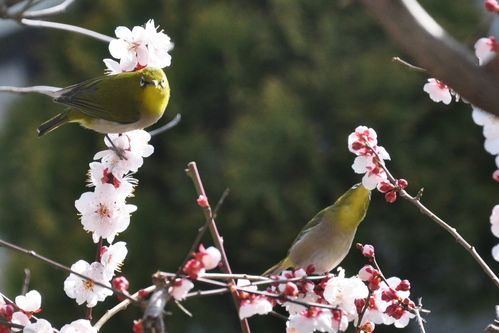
(114, 103)
(327, 238)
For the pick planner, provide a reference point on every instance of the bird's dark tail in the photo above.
(53, 123)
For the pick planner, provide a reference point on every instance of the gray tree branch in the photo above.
(412, 28)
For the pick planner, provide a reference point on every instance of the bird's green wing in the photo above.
(310, 225)
(111, 103)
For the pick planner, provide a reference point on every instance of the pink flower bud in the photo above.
(394, 310)
(7, 311)
(137, 326)
(143, 293)
(389, 294)
(391, 197)
(367, 273)
(495, 175)
(385, 186)
(491, 6)
(120, 283)
(359, 304)
(203, 201)
(402, 183)
(368, 251)
(194, 268)
(375, 283)
(310, 269)
(404, 285)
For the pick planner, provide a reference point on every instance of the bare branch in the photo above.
(174, 122)
(45, 90)
(120, 307)
(193, 173)
(55, 10)
(67, 27)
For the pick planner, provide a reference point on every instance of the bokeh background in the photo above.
(268, 91)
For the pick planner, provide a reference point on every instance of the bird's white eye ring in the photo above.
(163, 81)
(142, 81)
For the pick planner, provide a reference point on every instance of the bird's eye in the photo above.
(163, 81)
(142, 81)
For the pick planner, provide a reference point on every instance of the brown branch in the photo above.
(193, 173)
(412, 28)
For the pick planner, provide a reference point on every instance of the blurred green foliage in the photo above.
(268, 91)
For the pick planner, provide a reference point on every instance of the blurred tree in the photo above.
(268, 92)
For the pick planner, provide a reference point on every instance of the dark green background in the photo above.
(268, 92)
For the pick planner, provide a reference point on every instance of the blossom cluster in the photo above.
(203, 260)
(329, 305)
(21, 313)
(105, 213)
(363, 142)
(143, 46)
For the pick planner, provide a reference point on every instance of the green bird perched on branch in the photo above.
(326, 239)
(114, 103)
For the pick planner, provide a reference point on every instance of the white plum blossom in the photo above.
(159, 45)
(19, 318)
(343, 292)
(295, 308)
(143, 46)
(104, 212)
(373, 173)
(363, 143)
(490, 125)
(181, 288)
(256, 304)
(486, 49)
(211, 258)
(246, 285)
(83, 290)
(314, 320)
(494, 220)
(78, 326)
(133, 146)
(31, 302)
(130, 47)
(113, 258)
(40, 326)
(438, 91)
(495, 252)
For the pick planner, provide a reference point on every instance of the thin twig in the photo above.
(192, 171)
(66, 27)
(408, 65)
(164, 128)
(45, 90)
(459, 239)
(55, 10)
(454, 233)
(420, 320)
(59, 266)
(120, 307)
